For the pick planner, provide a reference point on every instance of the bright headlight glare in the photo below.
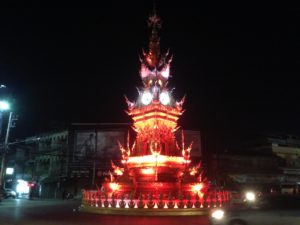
(250, 196)
(218, 214)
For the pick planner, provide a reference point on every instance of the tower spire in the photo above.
(154, 22)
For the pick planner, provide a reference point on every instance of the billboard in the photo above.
(101, 144)
(107, 143)
(85, 145)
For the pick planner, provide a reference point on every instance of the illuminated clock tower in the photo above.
(155, 162)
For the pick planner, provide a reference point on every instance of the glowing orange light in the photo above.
(193, 171)
(118, 171)
(114, 186)
(155, 107)
(197, 187)
(152, 121)
(148, 171)
(160, 159)
(152, 114)
(153, 160)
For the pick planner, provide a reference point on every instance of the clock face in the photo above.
(146, 98)
(164, 98)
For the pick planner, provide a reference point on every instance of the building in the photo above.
(287, 147)
(246, 170)
(71, 159)
(262, 161)
(51, 163)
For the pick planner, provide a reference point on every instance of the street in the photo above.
(59, 212)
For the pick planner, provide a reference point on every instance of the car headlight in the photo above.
(218, 214)
(250, 196)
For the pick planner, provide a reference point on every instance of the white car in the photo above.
(9, 193)
(270, 210)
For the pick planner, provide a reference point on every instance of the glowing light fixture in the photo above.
(166, 72)
(197, 187)
(118, 171)
(114, 186)
(146, 98)
(164, 98)
(4, 105)
(218, 214)
(160, 159)
(148, 171)
(9, 171)
(22, 187)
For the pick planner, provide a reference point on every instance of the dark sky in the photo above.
(238, 64)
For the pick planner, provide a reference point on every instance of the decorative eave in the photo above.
(155, 107)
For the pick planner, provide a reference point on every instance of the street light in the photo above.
(4, 106)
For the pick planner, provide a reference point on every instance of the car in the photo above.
(9, 193)
(272, 209)
(2, 193)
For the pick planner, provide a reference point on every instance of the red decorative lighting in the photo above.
(154, 162)
(196, 188)
(148, 171)
(114, 186)
(154, 165)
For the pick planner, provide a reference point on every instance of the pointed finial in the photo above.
(154, 23)
(154, 7)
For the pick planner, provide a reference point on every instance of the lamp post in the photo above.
(3, 107)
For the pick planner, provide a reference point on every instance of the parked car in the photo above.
(1, 194)
(9, 193)
(273, 209)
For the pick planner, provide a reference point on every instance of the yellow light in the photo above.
(197, 187)
(148, 171)
(118, 171)
(151, 121)
(159, 159)
(193, 171)
(153, 114)
(155, 107)
(114, 186)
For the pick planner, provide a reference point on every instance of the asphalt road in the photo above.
(59, 212)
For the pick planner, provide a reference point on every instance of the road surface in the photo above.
(59, 212)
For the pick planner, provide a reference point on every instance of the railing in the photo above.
(101, 200)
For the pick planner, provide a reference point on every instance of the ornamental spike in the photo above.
(133, 146)
(190, 147)
(177, 146)
(121, 148)
(129, 103)
(112, 179)
(128, 138)
(182, 139)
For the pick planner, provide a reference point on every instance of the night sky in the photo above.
(239, 65)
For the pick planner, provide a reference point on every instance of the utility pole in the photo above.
(2, 181)
(94, 160)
